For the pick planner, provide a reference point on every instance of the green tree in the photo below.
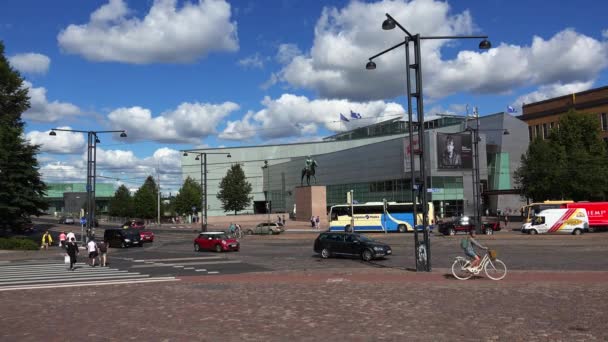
(122, 203)
(572, 164)
(189, 196)
(235, 190)
(22, 190)
(145, 200)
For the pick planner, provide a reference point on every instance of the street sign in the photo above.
(434, 190)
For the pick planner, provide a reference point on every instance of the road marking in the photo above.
(188, 268)
(189, 263)
(138, 260)
(178, 266)
(97, 283)
(201, 270)
(213, 272)
(183, 259)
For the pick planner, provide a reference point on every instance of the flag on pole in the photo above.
(355, 115)
(511, 109)
(343, 118)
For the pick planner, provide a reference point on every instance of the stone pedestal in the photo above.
(311, 200)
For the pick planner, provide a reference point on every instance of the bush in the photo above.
(18, 243)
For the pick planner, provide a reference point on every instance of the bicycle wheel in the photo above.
(458, 270)
(495, 270)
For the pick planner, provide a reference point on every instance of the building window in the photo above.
(545, 131)
(551, 125)
(604, 122)
(530, 133)
(537, 131)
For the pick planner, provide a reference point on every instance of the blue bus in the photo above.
(372, 217)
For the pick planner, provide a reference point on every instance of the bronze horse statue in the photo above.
(308, 172)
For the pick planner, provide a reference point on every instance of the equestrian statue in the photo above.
(309, 171)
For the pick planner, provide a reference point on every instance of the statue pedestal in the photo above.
(311, 201)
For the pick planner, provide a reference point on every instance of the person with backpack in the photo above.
(102, 247)
(72, 250)
(468, 244)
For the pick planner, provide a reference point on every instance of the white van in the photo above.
(559, 221)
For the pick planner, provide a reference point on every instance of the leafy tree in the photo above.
(572, 164)
(189, 196)
(235, 190)
(145, 200)
(21, 189)
(122, 203)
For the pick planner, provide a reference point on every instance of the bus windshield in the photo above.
(528, 211)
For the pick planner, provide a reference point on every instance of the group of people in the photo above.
(235, 230)
(98, 251)
(315, 222)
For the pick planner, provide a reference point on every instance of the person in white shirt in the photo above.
(92, 249)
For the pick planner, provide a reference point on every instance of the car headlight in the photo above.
(127, 240)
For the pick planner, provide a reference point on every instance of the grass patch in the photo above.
(18, 243)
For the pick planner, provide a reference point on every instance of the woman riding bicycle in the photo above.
(469, 249)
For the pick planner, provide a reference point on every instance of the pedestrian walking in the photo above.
(317, 223)
(102, 246)
(283, 219)
(70, 236)
(92, 249)
(72, 250)
(47, 240)
(312, 221)
(62, 238)
(279, 219)
(506, 221)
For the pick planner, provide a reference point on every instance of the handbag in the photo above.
(66, 259)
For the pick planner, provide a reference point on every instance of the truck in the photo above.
(558, 221)
(597, 212)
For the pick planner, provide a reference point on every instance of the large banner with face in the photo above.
(454, 151)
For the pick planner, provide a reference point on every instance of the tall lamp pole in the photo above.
(267, 190)
(203, 162)
(422, 248)
(93, 140)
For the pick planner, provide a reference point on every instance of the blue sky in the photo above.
(187, 74)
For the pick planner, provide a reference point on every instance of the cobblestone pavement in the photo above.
(334, 305)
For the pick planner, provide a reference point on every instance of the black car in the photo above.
(350, 244)
(122, 237)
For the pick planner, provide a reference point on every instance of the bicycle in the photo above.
(493, 267)
(237, 233)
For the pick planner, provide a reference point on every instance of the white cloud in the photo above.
(41, 110)
(167, 34)
(550, 91)
(287, 52)
(295, 116)
(254, 61)
(61, 143)
(605, 33)
(188, 123)
(345, 39)
(32, 63)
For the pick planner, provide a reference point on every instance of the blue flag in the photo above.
(343, 118)
(511, 109)
(355, 115)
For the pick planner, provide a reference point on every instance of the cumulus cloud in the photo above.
(188, 123)
(31, 63)
(41, 110)
(253, 61)
(287, 52)
(167, 34)
(605, 33)
(345, 38)
(295, 116)
(551, 91)
(62, 143)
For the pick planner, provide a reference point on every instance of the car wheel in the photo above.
(325, 253)
(123, 245)
(367, 255)
(533, 232)
(577, 232)
(197, 248)
(249, 232)
(218, 248)
(402, 228)
(452, 232)
(489, 231)
(269, 231)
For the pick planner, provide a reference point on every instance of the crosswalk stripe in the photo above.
(97, 283)
(181, 259)
(71, 279)
(70, 275)
(188, 264)
(63, 271)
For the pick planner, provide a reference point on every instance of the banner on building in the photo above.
(408, 151)
(454, 151)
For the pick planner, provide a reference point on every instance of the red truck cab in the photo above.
(597, 212)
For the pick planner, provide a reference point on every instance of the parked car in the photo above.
(66, 220)
(465, 224)
(122, 237)
(137, 224)
(215, 241)
(350, 244)
(266, 228)
(146, 235)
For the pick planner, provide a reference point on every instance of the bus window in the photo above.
(339, 211)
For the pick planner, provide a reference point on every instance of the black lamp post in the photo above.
(422, 248)
(93, 140)
(203, 162)
(267, 195)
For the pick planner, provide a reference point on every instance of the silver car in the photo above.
(265, 228)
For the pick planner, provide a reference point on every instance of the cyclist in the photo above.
(231, 229)
(469, 249)
(237, 230)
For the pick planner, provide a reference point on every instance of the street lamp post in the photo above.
(93, 140)
(204, 182)
(267, 190)
(422, 248)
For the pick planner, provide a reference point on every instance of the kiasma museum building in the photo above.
(374, 162)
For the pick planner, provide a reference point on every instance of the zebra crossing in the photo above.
(41, 275)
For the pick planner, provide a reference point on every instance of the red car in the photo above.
(137, 224)
(146, 235)
(215, 241)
